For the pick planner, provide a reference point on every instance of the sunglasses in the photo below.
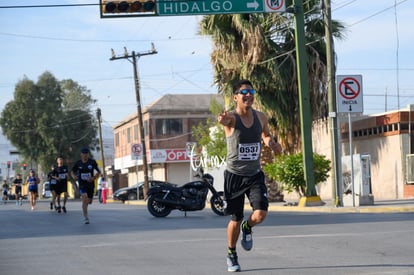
(246, 91)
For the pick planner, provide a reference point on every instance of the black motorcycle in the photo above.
(192, 196)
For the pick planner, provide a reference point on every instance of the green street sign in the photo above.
(206, 7)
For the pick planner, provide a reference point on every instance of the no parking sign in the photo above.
(136, 151)
(349, 94)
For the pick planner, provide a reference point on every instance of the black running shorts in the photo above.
(236, 187)
(86, 187)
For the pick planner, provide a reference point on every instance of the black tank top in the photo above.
(243, 147)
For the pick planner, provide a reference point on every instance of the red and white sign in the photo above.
(349, 94)
(136, 151)
(274, 5)
(169, 155)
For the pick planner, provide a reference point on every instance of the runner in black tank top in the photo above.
(245, 129)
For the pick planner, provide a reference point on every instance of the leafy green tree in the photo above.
(210, 135)
(49, 118)
(288, 170)
(78, 119)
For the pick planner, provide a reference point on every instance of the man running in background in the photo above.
(18, 181)
(60, 173)
(83, 172)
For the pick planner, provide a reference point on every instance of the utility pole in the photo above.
(311, 197)
(99, 115)
(8, 171)
(134, 56)
(333, 115)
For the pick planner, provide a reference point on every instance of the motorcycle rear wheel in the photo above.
(217, 203)
(157, 209)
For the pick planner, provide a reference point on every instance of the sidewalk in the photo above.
(385, 206)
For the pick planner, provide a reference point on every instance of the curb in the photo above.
(321, 209)
(328, 209)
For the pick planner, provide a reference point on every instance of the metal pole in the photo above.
(351, 155)
(98, 114)
(8, 171)
(304, 101)
(333, 115)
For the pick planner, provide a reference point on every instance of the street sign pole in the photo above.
(350, 100)
(351, 153)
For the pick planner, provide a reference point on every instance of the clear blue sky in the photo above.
(74, 42)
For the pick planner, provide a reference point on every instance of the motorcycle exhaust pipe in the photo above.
(174, 203)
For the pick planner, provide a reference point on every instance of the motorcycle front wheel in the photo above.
(157, 209)
(217, 203)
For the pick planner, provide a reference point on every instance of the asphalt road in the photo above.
(126, 239)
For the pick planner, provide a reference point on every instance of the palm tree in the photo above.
(261, 47)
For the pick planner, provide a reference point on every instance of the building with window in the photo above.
(168, 124)
(387, 138)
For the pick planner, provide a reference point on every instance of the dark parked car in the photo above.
(130, 193)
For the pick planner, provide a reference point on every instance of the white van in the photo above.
(46, 193)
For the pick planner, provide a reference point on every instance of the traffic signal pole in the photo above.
(134, 56)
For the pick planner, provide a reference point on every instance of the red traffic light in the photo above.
(8, 164)
(24, 166)
(136, 6)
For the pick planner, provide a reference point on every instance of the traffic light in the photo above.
(24, 166)
(127, 8)
(8, 164)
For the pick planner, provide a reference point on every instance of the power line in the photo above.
(378, 69)
(377, 13)
(344, 5)
(47, 6)
(96, 40)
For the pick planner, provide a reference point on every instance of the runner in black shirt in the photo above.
(83, 172)
(18, 181)
(60, 173)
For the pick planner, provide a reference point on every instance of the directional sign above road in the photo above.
(199, 7)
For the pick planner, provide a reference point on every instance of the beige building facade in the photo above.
(168, 124)
(386, 138)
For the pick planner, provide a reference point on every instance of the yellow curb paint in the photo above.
(310, 201)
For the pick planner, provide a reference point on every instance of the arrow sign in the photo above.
(200, 7)
(252, 5)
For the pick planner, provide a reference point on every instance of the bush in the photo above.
(288, 171)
